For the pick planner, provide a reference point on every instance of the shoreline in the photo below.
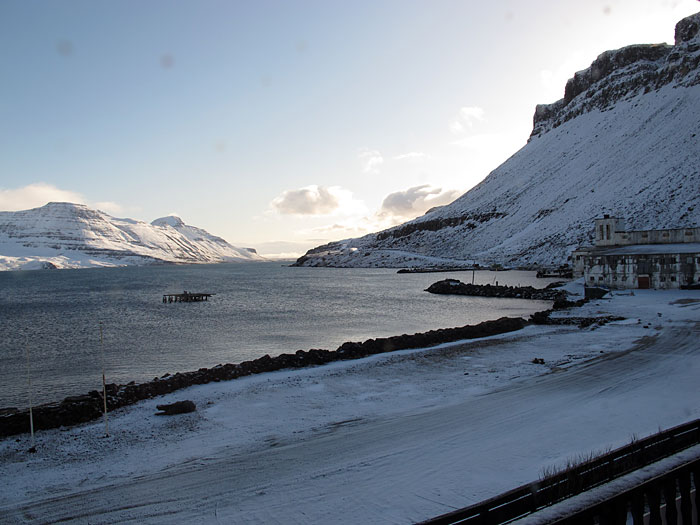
(77, 409)
(309, 444)
(74, 410)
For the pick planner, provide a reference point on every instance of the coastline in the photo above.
(408, 434)
(77, 409)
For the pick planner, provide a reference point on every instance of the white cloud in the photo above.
(371, 160)
(317, 200)
(40, 193)
(471, 113)
(411, 155)
(35, 195)
(109, 207)
(397, 207)
(410, 203)
(456, 127)
(466, 118)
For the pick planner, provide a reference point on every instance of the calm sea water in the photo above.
(259, 308)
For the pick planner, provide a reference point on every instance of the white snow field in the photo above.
(393, 438)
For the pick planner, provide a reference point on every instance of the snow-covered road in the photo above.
(390, 439)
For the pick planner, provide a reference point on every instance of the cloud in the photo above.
(371, 160)
(355, 227)
(40, 193)
(411, 155)
(110, 207)
(410, 203)
(35, 195)
(466, 118)
(317, 200)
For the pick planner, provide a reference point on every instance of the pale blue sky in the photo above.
(291, 121)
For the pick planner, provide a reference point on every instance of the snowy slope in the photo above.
(65, 235)
(624, 140)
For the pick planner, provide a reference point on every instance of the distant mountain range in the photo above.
(65, 235)
(624, 140)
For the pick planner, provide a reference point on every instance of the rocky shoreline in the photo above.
(84, 408)
(81, 409)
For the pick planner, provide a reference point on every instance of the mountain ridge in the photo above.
(67, 235)
(624, 140)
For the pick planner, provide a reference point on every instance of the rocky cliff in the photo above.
(624, 140)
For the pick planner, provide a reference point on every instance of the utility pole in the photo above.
(104, 385)
(31, 408)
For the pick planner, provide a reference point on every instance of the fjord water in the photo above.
(259, 308)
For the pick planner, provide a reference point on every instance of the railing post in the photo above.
(638, 507)
(696, 484)
(686, 505)
(670, 499)
(654, 499)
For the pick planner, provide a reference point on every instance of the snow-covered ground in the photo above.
(393, 438)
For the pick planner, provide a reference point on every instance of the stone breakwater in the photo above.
(453, 286)
(80, 409)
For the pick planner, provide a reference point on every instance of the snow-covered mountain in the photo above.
(624, 140)
(65, 235)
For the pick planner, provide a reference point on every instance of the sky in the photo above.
(282, 125)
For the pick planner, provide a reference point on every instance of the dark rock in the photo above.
(687, 29)
(179, 407)
(455, 287)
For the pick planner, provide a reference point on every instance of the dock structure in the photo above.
(186, 297)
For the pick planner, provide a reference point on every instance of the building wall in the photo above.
(578, 259)
(674, 236)
(610, 231)
(665, 271)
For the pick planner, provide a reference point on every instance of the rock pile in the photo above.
(453, 286)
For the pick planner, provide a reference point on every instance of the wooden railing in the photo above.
(644, 502)
(534, 496)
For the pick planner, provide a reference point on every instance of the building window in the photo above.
(673, 278)
(601, 232)
(592, 278)
(663, 279)
(607, 231)
(600, 278)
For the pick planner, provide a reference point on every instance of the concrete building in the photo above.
(639, 259)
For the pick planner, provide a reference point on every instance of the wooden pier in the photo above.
(186, 297)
